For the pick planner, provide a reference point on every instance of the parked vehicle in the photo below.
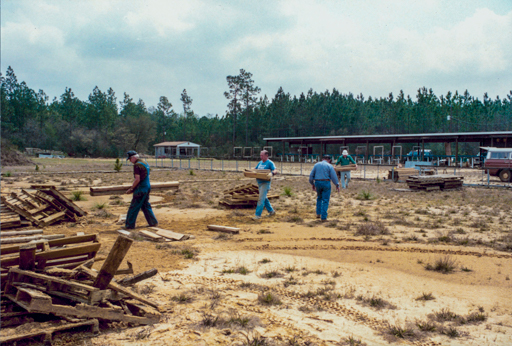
(415, 155)
(499, 162)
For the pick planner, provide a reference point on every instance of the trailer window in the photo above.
(500, 155)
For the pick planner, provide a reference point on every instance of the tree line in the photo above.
(104, 126)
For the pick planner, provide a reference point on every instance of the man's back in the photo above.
(323, 170)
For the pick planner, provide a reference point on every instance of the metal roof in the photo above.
(175, 144)
(463, 136)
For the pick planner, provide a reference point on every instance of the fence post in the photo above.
(281, 165)
(172, 162)
(180, 162)
(364, 176)
(236, 165)
(211, 164)
(300, 167)
(488, 178)
(222, 164)
(188, 163)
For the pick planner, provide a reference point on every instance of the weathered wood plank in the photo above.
(113, 261)
(170, 234)
(138, 278)
(225, 229)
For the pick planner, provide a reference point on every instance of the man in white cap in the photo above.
(344, 160)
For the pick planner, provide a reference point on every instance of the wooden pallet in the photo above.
(345, 168)
(243, 196)
(435, 182)
(262, 174)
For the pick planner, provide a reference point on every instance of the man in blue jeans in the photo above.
(141, 189)
(264, 186)
(320, 178)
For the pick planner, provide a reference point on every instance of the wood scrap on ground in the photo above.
(397, 173)
(232, 230)
(121, 189)
(170, 234)
(243, 196)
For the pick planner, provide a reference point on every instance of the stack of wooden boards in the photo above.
(345, 168)
(40, 206)
(78, 294)
(121, 189)
(262, 174)
(406, 172)
(243, 195)
(435, 182)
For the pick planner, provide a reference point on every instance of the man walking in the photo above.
(264, 186)
(344, 160)
(140, 189)
(320, 178)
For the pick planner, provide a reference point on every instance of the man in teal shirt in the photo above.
(344, 160)
(264, 186)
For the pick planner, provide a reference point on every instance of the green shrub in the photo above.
(77, 196)
(118, 165)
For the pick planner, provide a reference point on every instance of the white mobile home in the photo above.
(177, 149)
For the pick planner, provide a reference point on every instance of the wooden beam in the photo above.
(27, 232)
(138, 278)
(30, 238)
(113, 261)
(28, 257)
(224, 229)
(54, 243)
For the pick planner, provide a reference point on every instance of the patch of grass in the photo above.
(365, 195)
(372, 228)
(77, 196)
(444, 315)
(100, 206)
(210, 320)
(351, 341)
(287, 191)
(187, 253)
(295, 218)
(254, 339)
(400, 331)
(239, 270)
(118, 165)
(444, 265)
(426, 296)
(426, 326)
(264, 231)
(466, 269)
(270, 274)
(240, 320)
(451, 332)
(7, 174)
(265, 260)
(290, 281)
(336, 274)
(476, 317)
(191, 172)
(375, 302)
(269, 298)
(290, 269)
(182, 298)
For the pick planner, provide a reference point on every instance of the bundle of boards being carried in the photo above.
(345, 168)
(262, 174)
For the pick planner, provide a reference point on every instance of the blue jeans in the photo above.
(323, 191)
(343, 176)
(140, 201)
(263, 201)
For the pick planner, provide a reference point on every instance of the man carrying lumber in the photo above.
(264, 186)
(320, 178)
(141, 189)
(344, 160)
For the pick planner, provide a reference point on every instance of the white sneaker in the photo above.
(256, 218)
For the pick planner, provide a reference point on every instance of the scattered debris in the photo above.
(170, 234)
(397, 173)
(72, 292)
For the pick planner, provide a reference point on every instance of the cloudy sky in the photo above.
(158, 48)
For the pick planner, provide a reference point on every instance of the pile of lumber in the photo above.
(75, 294)
(262, 174)
(243, 195)
(407, 172)
(40, 206)
(345, 168)
(435, 182)
(121, 189)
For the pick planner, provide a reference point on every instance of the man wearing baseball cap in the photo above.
(141, 189)
(320, 178)
(343, 160)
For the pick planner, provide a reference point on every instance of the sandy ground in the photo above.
(358, 279)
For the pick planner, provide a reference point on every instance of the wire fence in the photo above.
(472, 176)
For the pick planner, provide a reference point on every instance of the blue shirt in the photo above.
(265, 165)
(323, 170)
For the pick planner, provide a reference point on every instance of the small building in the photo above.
(177, 149)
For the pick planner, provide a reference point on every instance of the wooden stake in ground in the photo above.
(224, 229)
(113, 261)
